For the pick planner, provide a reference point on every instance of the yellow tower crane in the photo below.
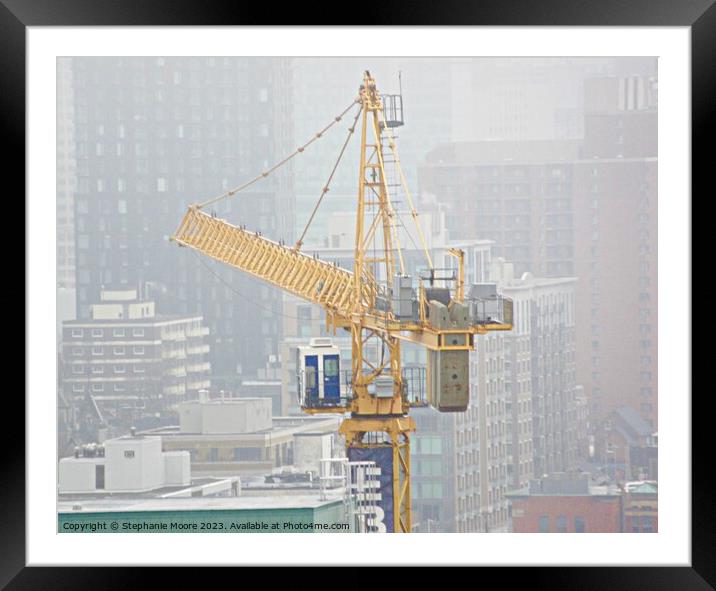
(372, 301)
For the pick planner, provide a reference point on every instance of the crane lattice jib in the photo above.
(312, 279)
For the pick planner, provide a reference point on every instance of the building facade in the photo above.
(543, 377)
(566, 505)
(131, 363)
(66, 175)
(641, 507)
(615, 220)
(154, 135)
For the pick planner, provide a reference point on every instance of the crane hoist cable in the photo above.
(267, 172)
(327, 186)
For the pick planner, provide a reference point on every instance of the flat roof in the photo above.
(103, 495)
(241, 503)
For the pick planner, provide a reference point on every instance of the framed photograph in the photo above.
(402, 276)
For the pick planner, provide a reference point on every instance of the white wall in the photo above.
(246, 415)
(142, 471)
(78, 474)
(177, 468)
(309, 448)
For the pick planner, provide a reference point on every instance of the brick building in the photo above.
(566, 505)
(641, 507)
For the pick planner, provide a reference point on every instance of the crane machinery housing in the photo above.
(377, 302)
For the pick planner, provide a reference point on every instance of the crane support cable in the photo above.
(327, 187)
(404, 182)
(296, 152)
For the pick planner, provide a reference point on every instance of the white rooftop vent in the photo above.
(321, 342)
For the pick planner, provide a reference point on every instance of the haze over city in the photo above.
(542, 172)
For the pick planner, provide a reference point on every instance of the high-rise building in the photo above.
(154, 135)
(543, 346)
(517, 194)
(615, 228)
(66, 176)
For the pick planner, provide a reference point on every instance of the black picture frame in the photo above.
(16, 15)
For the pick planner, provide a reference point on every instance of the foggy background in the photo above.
(544, 170)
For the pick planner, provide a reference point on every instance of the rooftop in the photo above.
(241, 503)
(101, 496)
(633, 421)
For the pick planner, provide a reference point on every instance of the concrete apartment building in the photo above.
(131, 362)
(154, 135)
(543, 347)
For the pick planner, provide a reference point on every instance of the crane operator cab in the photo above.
(318, 365)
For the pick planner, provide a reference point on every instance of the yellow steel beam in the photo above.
(293, 271)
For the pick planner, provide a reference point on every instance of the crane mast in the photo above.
(376, 422)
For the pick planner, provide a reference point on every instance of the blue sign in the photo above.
(383, 458)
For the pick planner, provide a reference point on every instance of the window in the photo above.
(561, 524)
(118, 332)
(78, 388)
(119, 369)
(138, 350)
(138, 369)
(579, 525)
(99, 476)
(118, 350)
(129, 453)
(137, 332)
(647, 524)
(97, 332)
(310, 376)
(331, 367)
(78, 369)
(97, 369)
(77, 351)
(96, 351)
(77, 333)
(97, 387)
(544, 524)
(247, 454)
